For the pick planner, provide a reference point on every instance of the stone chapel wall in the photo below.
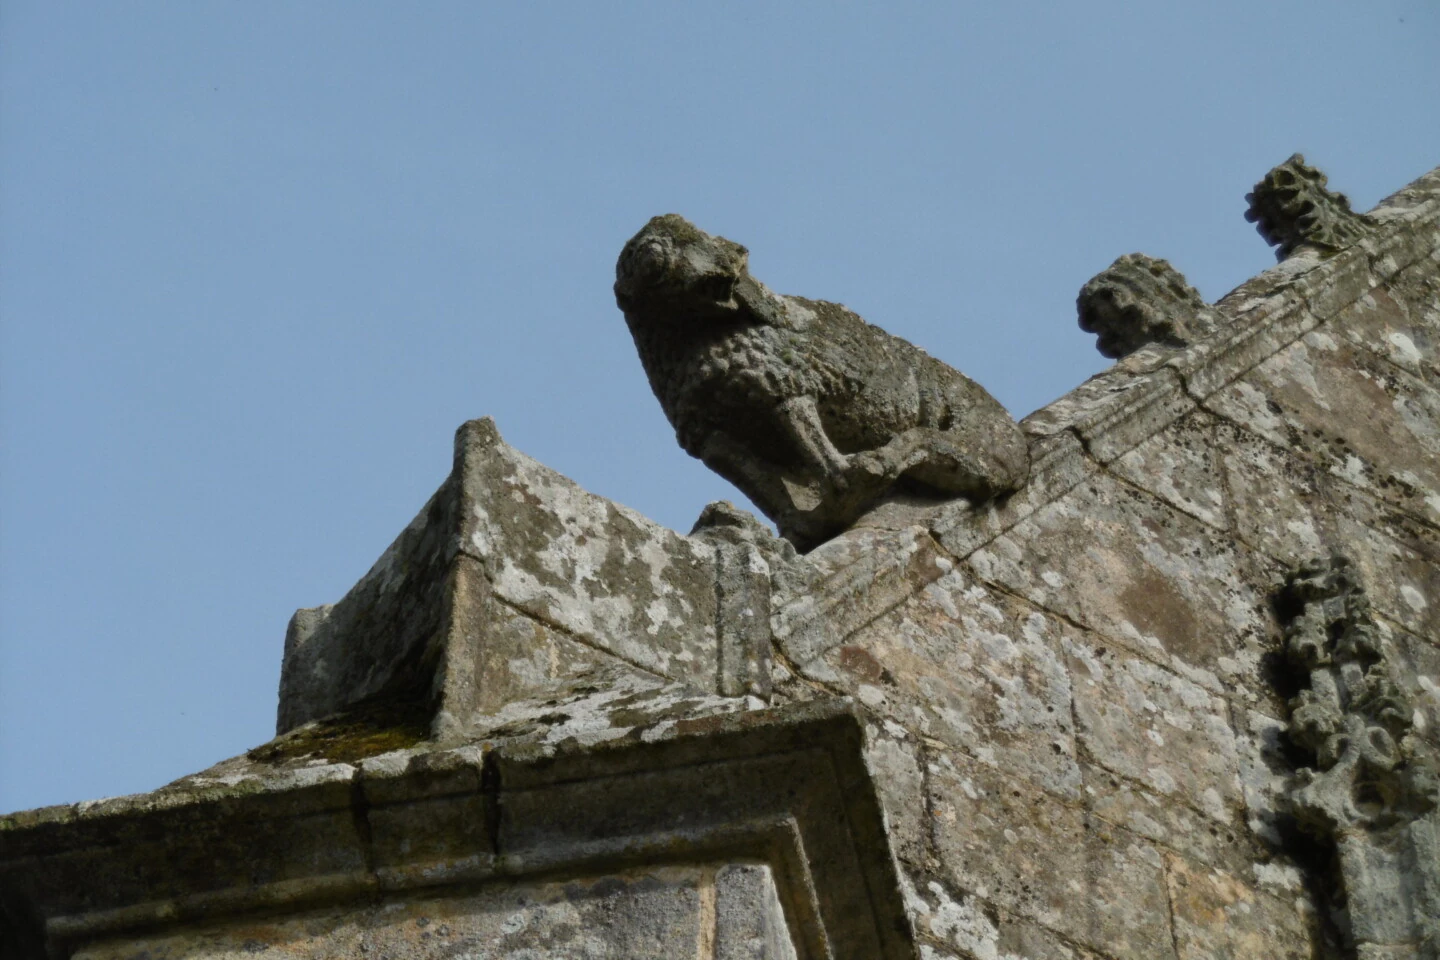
(1076, 724)
(1058, 725)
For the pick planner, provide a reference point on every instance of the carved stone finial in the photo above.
(1292, 207)
(1368, 771)
(812, 412)
(1139, 300)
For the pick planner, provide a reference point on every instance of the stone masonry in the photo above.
(1177, 696)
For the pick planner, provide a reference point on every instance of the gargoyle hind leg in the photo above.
(763, 482)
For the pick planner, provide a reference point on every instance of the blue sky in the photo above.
(258, 261)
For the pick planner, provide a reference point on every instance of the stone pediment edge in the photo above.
(1121, 407)
(1074, 437)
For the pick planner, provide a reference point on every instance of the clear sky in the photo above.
(258, 261)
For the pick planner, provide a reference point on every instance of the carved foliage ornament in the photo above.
(1139, 300)
(1368, 771)
(1292, 207)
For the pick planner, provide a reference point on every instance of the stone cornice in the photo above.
(785, 786)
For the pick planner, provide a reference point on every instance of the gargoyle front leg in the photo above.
(801, 421)
(975, 467)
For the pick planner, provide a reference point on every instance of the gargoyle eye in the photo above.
(649, 261)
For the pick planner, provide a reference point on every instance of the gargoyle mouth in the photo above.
(718, 289)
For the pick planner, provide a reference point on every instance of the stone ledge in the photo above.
(786, 787)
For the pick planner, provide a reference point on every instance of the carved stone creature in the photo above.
(1139, 300)
(1293, 208)
(812, 412)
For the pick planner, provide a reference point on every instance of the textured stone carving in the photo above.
(748, 559)
(1372, 785)
(1139, 300)
(812, 412)
(1367, 771)
(1292, 207)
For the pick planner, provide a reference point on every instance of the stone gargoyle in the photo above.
(811, 412)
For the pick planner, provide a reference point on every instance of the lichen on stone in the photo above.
(372, 727)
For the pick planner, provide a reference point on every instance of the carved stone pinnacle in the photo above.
(1292, 208)
(1139, 300)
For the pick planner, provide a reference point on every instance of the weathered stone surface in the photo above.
(1404, 583)
(749, 918)
(1265, 768)
(1115, 410)
(1155, 727)
(1019, 848)
(950, 924)
(494, 593)
(1170, 821)
(1179, 465)
(1139, 300)
(1252, 337)
(1144, 576)
(744, 582)
(895, 759)
(1219, 916)
(523, 657)
(660, 913)
(855, 581)
(1411, 201)
(1367, 422)
(1277, 497)
(982, 674)
(1058, 464)
(1396, 324)
(806, 408)
(598, 570)
(1348, 277)
(1415, 669)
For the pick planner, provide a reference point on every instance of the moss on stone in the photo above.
(378, 725)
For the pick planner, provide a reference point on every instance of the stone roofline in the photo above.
(656, 697)
(508, 808)
(1077, 435)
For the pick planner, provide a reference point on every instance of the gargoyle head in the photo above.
(674, 266)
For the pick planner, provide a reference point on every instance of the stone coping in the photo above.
(1075, 436)
(634, 777)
